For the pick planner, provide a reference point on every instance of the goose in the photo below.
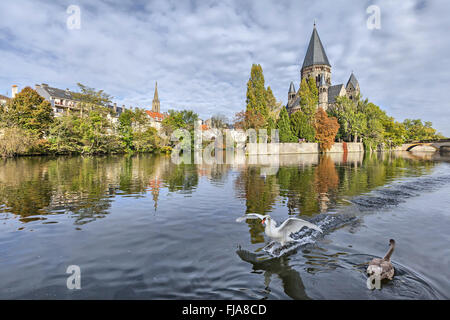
(383, 268)
(281, 234)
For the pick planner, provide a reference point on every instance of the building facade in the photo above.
(316, 66)
(3, 99)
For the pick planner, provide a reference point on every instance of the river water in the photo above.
(142, 227)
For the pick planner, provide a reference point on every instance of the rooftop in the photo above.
(316, 53)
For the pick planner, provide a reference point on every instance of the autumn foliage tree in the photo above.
(326, 129)
(29, 111)
(249, 119)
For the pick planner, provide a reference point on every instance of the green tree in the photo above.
(416, 130)
(284, 127)
(29, 111)
(257, 95)
(146, 140)
(352, 122)
(309, 97)
(91, 96)
(374, 133)
(301, 126)
(126, 128)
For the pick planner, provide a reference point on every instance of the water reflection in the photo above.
(85, 186)
(196, 205)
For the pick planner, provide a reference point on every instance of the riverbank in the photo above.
(301, 148)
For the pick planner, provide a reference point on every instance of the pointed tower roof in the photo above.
(292, 88)
(155, 98)
(353, 81)
(315, 53)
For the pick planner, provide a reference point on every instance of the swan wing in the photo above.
(250, 216)
(293, 225)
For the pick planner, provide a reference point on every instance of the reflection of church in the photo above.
(155, 185)
(317, 66)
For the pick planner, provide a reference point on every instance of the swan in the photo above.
(383, 268)
(281, 234)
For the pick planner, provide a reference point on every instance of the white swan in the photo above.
(281, 234)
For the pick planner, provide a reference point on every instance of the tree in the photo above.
(15, 141)
(249, 119)
(301, 126)
(326, 129)
(64, 135)
(352, 122)
(90, 96)
(416, 130)
(284, 127)
(146, 140)
(374, 133)
(395, 133)
(126, 128)
(309, 97)
(184, 119)
(256, 92)
(29, 111)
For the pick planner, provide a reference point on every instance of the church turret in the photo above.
(316, 61)
(323, 92)
(155, 102)
(352, 87)
(292, 93)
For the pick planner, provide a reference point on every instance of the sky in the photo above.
(201, 52)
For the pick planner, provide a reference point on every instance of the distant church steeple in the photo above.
(155, 102)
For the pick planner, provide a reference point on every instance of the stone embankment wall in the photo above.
(300, 148)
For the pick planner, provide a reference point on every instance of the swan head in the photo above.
(392, 242)
(266, 221)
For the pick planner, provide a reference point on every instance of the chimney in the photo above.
(123, 107)
(14, 91)
(115, 107)
(37, 86)
(45, 85)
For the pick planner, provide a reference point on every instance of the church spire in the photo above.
(155, 98)
(155, 103)
(316, 53)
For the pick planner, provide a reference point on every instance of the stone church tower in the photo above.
(317, 66)
(155, 102)
(316, 62)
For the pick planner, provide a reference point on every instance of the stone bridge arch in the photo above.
(422, 147)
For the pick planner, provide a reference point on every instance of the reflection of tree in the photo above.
(85, 186)
(183, 177)
(326, 180)
(24, 187)
(309, 190)
(297, 185)
(260, 194)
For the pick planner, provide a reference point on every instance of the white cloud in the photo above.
(200, 52)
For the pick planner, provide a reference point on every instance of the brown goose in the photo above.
(383, 268)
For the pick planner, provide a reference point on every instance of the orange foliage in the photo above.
(326, 129)
(326, 176)
(249, 119)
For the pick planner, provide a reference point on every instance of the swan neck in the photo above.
(389, 253)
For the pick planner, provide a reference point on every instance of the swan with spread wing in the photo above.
(281, 234)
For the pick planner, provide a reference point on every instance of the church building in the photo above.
(317, 66)
(155, 114)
